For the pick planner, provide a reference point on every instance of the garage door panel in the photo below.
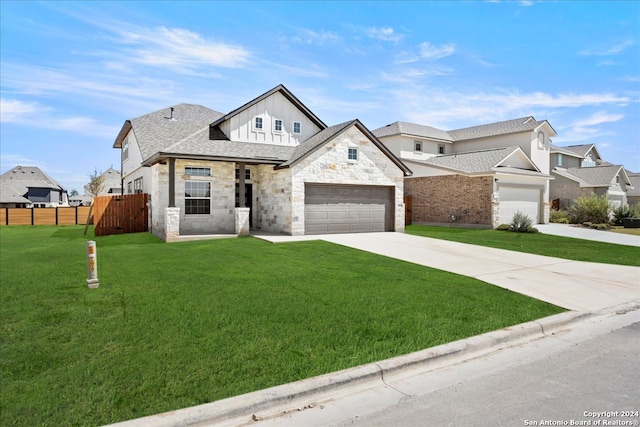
(346, 209)
(518, 199)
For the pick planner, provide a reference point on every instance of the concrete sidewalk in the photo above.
(578, 232)
(574, 285)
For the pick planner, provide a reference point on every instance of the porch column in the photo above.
(172, 183)
(241, 192)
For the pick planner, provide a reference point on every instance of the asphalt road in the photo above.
(590, 374)
(595, 376)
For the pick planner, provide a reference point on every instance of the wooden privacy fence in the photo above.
(74, 215)
(120, 214)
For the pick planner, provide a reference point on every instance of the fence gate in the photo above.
(408, 210)
(120, 214)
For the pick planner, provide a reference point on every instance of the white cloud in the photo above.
(181, 49)
(13, 110)
(386, 34)
(309, 37)
(598, 118)
(432, 52)
(615, 49)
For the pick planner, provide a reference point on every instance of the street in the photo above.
(586, 376)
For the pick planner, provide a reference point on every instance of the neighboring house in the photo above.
(271, 159)
(28, 186)
(479, 175)
(633, 194)
(111, 184)
(578, 170)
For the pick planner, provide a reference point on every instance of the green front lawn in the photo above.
(535, 243)
(181, 324)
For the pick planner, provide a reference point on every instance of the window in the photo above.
(137, 185)
(277, 125)
(417, 146)
(197, 197)
(353, 154)
(296, 127)
(125, 149)
(258, 123)
(559, 159)
(193, 171)
(440, 149)
(540, 139)
(588, 162)
(247, 174)
(129, 187)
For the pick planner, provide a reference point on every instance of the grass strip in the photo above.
(535, 243)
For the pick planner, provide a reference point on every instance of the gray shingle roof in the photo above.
(562, 150)
(471, 162)
(16, 182)
(581, 150)
(198, 145)
(397, 128)
(598, 176)
(635, 182)
(155, 131)
(522, 124)
(492, 129)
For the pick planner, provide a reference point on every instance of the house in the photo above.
(633, 193)
(578, 170)
(28, 186)
(270, 165)
(480, 175)
(111, 183)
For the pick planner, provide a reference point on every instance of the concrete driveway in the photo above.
(577, 232)
(574, 285)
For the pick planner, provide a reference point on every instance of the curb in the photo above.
(241, 410)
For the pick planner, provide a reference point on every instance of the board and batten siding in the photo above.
(241, 126)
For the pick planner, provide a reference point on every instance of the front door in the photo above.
(248, 198)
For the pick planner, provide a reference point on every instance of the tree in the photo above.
(73, 193)
(96, 183)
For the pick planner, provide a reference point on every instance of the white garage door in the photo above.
(513, 199)
(347, 209)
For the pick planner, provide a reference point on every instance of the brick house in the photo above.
(270, 165)
(478, 176)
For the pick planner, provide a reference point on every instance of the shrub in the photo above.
(591, 208)
(532, 230)
(520, 223)
(622, 212)
(559, 217)
(504, 227)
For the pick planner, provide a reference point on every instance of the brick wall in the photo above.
(436, 198)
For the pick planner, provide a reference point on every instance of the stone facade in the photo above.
(330, 165)
(436, 198)
(273, 198)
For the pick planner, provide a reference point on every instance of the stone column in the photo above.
(242, 221)
(171, 224)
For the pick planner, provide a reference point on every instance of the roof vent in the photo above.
(173, 119)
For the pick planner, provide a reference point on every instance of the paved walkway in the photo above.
(575, 285)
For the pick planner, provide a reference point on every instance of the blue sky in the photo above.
(71, 73)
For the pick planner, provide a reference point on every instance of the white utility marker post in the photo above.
(92, 265)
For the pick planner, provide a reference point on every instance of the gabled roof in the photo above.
(523, 124)
(155, 131)
(564, 151)
(321, 138)
(412, 129)
(483, 161)
(16, 182)
(583, 150)
(287, 94)
(598, 176)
